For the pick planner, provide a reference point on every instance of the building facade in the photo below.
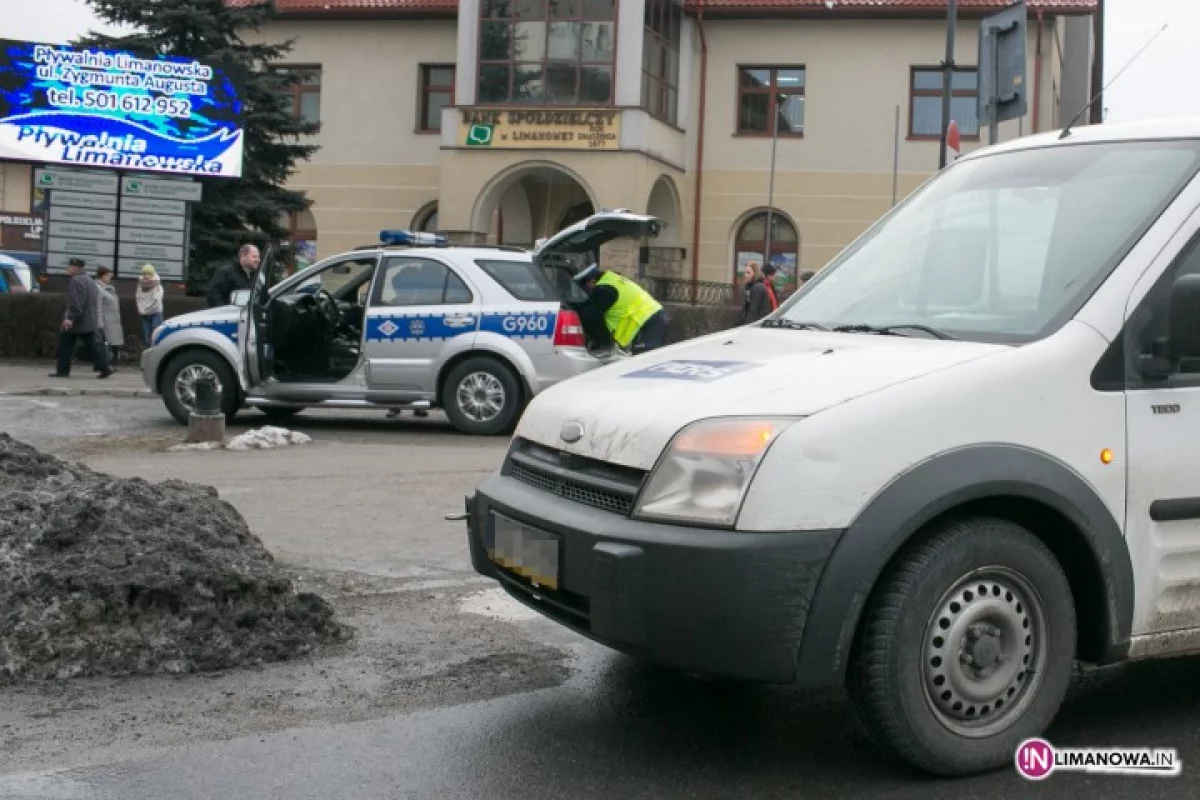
(505, 120)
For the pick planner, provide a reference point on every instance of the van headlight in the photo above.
(706, 470)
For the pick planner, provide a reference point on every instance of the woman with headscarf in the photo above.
(110, 314)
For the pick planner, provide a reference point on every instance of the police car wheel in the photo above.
(180, 377)
(967, 648)
(482, 396)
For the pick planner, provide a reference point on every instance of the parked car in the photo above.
(412, 323)
(15, 276)
(956, 464)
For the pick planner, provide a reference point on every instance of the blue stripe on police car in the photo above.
(227, 329)
(520, 324)
(420, 327)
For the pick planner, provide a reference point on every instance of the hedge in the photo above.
(29, 323)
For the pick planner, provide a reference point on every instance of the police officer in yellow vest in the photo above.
(635, 319)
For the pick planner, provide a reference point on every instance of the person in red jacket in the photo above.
(769, 271)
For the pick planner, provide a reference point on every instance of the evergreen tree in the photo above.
(233, 211)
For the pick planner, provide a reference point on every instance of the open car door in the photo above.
(561, 256)
(254, 324)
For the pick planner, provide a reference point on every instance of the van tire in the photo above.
(485, 373)
(902, 689)
(231, 399)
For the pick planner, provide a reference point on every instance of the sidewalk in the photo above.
(26, 378)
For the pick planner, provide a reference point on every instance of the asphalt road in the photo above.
(456, 693)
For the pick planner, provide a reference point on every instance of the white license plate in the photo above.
(531, 553)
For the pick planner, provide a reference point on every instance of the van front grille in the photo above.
(578, 479)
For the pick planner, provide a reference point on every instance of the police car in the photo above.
(410, 323)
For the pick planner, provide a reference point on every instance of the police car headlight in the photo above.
(706, 470)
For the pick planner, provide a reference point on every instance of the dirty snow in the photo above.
(101, 575)
(265, 438)
(496, 603)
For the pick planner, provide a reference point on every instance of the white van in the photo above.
(962, 458)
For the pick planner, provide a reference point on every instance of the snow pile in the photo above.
(265, 438)
(106, 576)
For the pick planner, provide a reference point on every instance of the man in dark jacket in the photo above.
(80, 322)
(231, 277)
(756, 303)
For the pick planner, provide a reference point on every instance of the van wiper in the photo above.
(891, 330)
(792, 325)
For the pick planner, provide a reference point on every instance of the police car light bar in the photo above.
(413, 238)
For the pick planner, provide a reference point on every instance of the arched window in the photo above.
(301, 229)
(785, 246)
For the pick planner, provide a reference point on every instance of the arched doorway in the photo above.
(750, 243)
(426, 219)
(576, 213)
(531, 201)
(665, 255)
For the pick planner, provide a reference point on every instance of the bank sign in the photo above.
(540, 129)
(98, 108)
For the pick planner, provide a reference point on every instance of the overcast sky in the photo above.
(1155, 85)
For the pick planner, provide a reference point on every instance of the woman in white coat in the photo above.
(110, 314)
(149, 298)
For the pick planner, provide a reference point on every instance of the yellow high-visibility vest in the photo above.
(633, 307)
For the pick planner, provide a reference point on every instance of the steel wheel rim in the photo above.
(481, 396)
(984, 653)
(186, 380)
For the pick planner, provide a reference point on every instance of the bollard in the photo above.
(206, 423)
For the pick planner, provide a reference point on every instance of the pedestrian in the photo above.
(755, 302)
(231, 277)
(637, 322)
(149, 298)
(110, 316)
(769, 272)
(80, 322)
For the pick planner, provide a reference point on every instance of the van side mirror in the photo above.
(1184, 318)
(1182, 342)
(239, 297)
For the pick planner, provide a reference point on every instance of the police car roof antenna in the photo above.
(1067, 130)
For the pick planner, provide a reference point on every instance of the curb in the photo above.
(55, 392)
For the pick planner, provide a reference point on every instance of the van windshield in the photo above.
(1002, 249)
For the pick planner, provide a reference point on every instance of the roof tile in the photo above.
(341, 7)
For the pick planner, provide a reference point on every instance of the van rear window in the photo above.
(521, 279)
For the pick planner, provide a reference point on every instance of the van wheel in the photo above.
(178, 384)
(967, 649)
(481, 396)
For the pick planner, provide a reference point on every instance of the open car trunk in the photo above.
(562, 256)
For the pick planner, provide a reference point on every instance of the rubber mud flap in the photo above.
(618, 603)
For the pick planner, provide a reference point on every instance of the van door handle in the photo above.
(459, 320)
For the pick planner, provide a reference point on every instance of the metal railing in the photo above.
(678, 290)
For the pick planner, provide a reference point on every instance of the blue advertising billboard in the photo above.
(85, 107)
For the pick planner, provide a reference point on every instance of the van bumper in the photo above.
(721, 603)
